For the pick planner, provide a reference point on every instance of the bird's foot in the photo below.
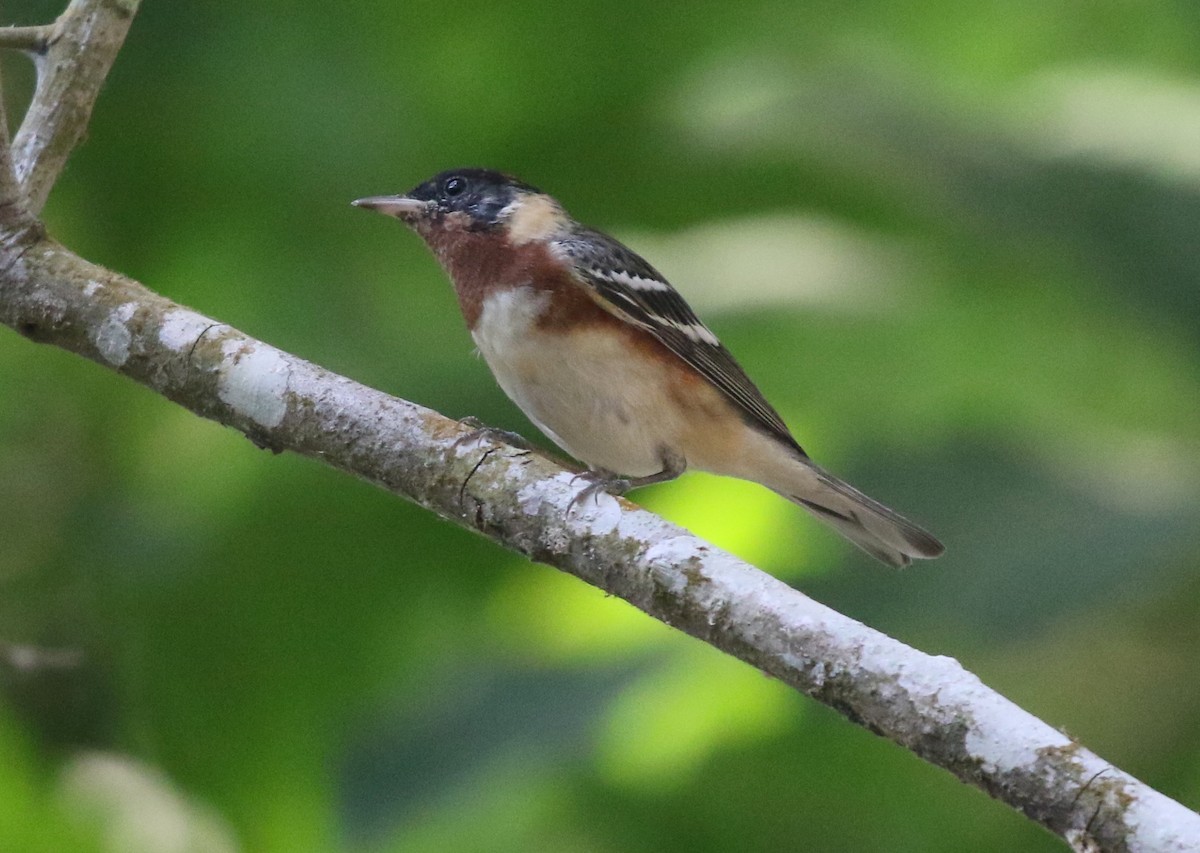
(478, 430)
(599, 482)
(606, 481)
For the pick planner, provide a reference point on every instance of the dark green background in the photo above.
(968, 249)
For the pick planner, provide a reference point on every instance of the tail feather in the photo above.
(881, 532)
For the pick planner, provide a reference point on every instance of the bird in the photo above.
(606, 358)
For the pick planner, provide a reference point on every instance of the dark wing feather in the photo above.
(629, 287)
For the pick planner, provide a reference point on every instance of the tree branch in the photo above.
(28, 39)
(929, 705)
(71, 68)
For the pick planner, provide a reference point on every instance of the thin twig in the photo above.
(28, 39)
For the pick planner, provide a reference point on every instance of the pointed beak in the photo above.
(400, 206)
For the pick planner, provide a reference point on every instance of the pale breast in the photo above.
(585, 389)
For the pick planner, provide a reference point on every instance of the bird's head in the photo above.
(473, 200)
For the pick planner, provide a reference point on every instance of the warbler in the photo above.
(607, 359)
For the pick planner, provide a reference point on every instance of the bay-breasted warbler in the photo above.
(607, 359)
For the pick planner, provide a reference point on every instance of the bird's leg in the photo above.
(673, 465)
(480, 430)
(606, 481)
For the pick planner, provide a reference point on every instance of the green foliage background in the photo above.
(958, 245)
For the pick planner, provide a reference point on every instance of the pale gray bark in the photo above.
(927, 704)
(72, 65)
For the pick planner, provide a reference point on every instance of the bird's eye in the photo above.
(454, 187)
